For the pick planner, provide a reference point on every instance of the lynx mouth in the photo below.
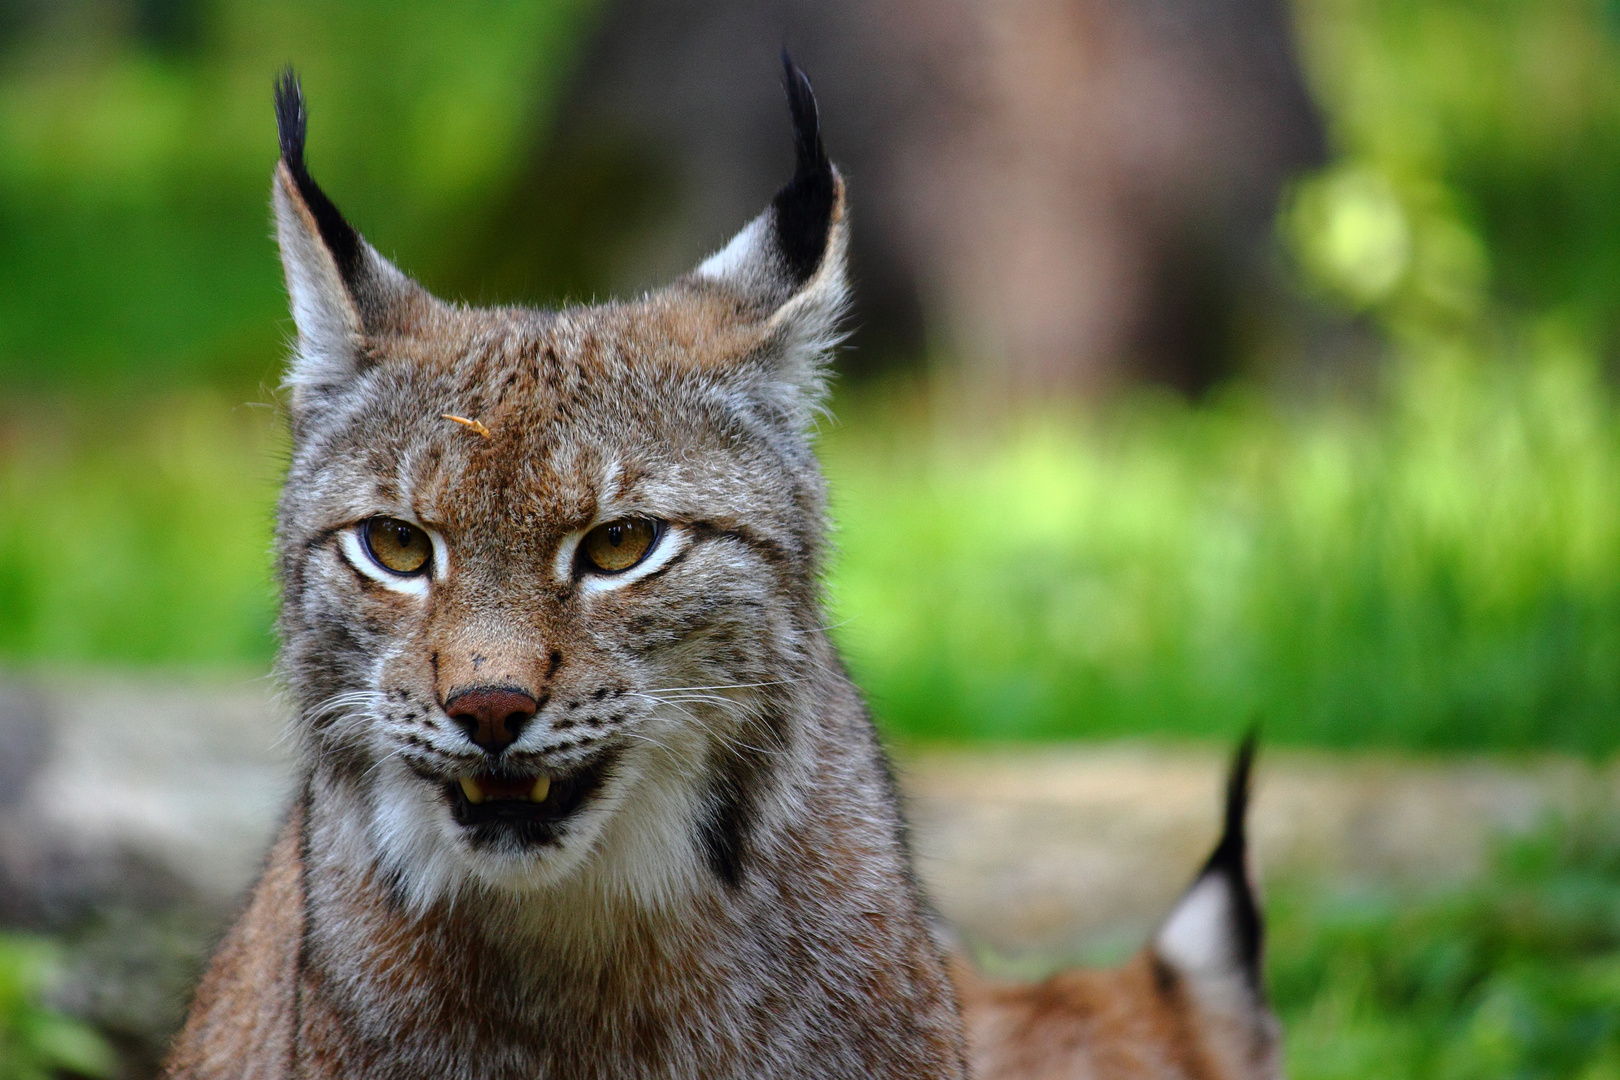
(531, 810)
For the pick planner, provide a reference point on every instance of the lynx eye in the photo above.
(615, 546)
(396, 545)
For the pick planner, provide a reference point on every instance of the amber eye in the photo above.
(397, 545)
(618, 545)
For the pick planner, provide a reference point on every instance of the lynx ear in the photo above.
(342, 291)
(787, 265)
(1215, 935)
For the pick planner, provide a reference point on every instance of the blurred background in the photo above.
(1214, 362)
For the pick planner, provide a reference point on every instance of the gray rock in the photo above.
(133, 815)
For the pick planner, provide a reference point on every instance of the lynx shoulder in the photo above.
(585, 789)
(1190, 1006)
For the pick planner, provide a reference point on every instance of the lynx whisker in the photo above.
(729, 739)
(728, 686)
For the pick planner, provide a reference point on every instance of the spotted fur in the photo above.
(733, 896)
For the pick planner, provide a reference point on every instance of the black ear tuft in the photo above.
(1230, 860)
(292, 124)
(291, 121)
(804, 206)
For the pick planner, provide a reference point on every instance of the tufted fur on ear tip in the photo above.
(1215, 934)
(787, 266)
(341, 291)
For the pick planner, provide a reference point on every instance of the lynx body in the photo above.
(1189, 1006)
(585, 791)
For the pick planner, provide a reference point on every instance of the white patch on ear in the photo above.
(807, 331)
(1199, 937)
(740, 260)
(803, 325)
(329, 328)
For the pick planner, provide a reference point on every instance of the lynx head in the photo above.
(550, 578)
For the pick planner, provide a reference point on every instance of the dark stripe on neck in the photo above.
(726, 830)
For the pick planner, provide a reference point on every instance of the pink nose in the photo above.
(492, 716)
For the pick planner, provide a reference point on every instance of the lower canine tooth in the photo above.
(470, 788)
(542, 788)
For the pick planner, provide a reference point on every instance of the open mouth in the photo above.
(532, 809)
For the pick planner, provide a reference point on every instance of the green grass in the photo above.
(1439, 570)
(36, 1041)
(137, 533)
(1516, 975)
(135, 173)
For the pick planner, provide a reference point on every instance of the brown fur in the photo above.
(267, 1006)
(1189, 1006)
(1139, 1021)
(257, 963)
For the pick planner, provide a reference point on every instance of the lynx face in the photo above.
(549, 577)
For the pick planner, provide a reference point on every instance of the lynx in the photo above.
(585, 790)
(1190, 1006)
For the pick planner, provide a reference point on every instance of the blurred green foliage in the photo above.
(137, 535)
(1442, 571)
(137, 139)
(36, 1041)
(1432, 564)
(1516, 975)
(1478, 171)
(1436, 564)
(1439, 572)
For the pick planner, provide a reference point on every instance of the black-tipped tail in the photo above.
(292, 125)
(1230, 860)
(804, 207)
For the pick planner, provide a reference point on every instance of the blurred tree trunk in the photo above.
(1049, 195)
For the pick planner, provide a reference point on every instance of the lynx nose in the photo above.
(492, 716)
